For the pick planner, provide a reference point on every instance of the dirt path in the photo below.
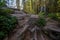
(22, 19)
(23, 24)
(52, 25)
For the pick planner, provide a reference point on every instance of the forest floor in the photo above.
(23, 19)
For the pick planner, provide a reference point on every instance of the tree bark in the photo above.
(18, 4)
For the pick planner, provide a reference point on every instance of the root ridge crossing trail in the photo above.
(22, 19)
(26, 30)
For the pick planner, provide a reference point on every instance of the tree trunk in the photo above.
(18, 4)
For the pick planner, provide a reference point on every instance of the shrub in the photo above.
(52, 16)
(7, 23)
(2, 34)
(41, 14)
(58, 16)
(41, 22)
(6, 11)
(55, 16)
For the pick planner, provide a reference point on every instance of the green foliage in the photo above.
(2, 3)
(54, 6)
(6, 11)
(41, 14)
(7, 22)
(34, 6)
(55, 16)
(51, 15)
(58, 3)
(29, 7)
(41, 22)
(2, 35)
(58, 15)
